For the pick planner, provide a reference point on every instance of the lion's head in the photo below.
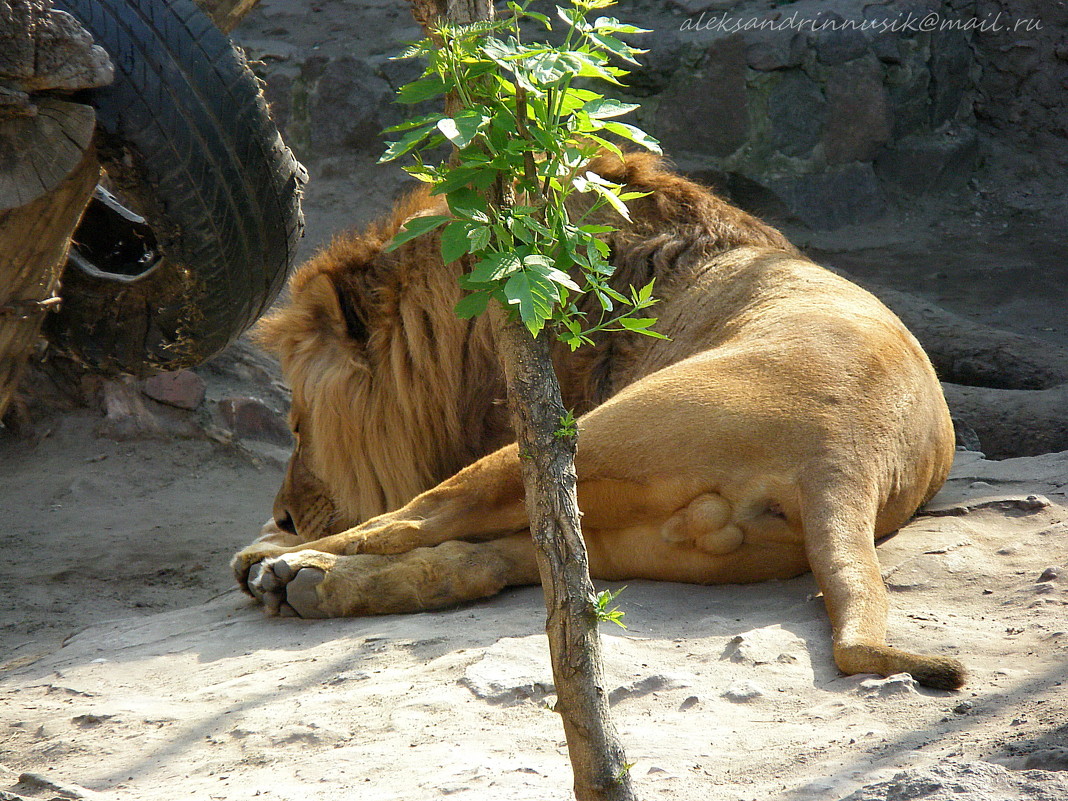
(391, 392)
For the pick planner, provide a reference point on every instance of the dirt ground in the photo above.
(134, 669)
(130, 666)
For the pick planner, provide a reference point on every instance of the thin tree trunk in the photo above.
(597, 759)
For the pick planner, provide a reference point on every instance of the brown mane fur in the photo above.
(418, 395)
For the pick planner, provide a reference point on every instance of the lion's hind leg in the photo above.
(840, 542)
(309, 583)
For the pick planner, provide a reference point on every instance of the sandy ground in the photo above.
(720, 692)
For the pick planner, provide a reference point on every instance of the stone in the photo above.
(838, 45)
(649, 684)
(251, 418)
(709, 112)
(689, 702)
(922, 163)
(742, 692)
(668, 53)
(182, 389)
(951, 76)
(1050, 574)
(965, 435)
(699, 6)
(908, 88)
(764, 646)
(126, 415)
(890, 687)
(950, 781)
(512, 670)
(774, 50)
(1047, 759)
(39, 785)
(858, 114)
(350, 108)
(797, 113)
(833, 198)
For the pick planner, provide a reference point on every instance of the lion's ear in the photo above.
(324, 294)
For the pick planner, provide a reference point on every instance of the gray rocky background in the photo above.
(815, 124)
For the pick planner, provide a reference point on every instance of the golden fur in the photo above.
(788, 422)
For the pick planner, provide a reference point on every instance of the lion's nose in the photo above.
(284, 521)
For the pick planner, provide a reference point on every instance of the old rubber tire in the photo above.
(186, 141)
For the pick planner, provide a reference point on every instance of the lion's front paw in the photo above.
(287, 584)
(246, 558)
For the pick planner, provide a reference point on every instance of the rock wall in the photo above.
(824, 112)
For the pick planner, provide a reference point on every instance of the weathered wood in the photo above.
(42, 49)
(37, 152)
(42, 138)
(226, 14)
(33, 247)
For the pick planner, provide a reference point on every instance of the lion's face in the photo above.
(323, 351)
(304, 504)
(376, 362)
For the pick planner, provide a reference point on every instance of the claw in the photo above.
(253, 581)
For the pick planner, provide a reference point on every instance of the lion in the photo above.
(787, 423)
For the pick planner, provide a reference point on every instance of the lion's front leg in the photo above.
(312, 584)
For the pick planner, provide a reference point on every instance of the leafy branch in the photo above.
(522, 126)
(602, 611)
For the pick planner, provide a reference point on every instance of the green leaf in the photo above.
(495, 267)
(637, 323)
(614, 46)
(520, 11)
(644, 294)
(595, 67)
(426, 119)
(519, 230)
(480, 237)
(472, 305)
(463, 128)
(456, 178)
(613, 199)
(613, 25)
(636, 135)
(605, 107)
(469, 204)
(416, 227)
(544, 267)
(572, 17)
(454, 241)
(549, 69)
(412, 50)
(533, 296)
(423, 89)
(406, 143)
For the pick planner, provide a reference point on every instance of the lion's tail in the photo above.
(839, 528)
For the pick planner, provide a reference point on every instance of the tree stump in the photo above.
(33, 249)
(48, 167)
